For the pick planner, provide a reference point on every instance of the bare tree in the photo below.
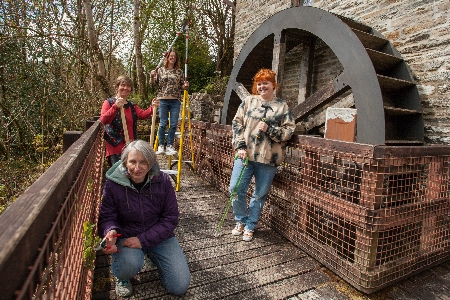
(45, 72)
(215, 21)
(99, 62)
(137, 50)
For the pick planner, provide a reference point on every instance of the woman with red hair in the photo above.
(261, 127)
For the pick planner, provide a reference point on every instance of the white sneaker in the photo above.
(160, 150)
(248, 235)
(124, 288)
(239, 229)
(170, 150)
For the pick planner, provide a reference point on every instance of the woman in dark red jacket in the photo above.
(111, 117)
(138, 216)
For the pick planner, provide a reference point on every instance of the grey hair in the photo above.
(143, 147)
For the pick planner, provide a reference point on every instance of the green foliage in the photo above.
(90, 184)
(49, 76)
(200, 65)
(213, 24)
(38, 143)
(3, 197)
(17, 175)
(37, 104)
(200, 69)
(46, 88)
(2, 192)
(166, 20)
(90, 242)
(216, 86)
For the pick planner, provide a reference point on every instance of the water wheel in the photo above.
(331, 58)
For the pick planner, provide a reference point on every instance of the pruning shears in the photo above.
(102, 244)
(257, 135)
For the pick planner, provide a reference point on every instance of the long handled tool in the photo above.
(233, 195)
(125, 127)
(183, 28)
(183, 114)
(152, 131)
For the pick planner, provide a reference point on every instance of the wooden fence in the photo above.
(41, 256)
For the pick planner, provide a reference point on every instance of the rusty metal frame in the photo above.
(372, 214)
(54, 245)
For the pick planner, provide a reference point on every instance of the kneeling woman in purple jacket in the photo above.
(138, 216)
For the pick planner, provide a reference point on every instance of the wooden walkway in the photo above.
(269, 267)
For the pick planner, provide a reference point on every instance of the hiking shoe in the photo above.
(248, 236)
(124, 288)
(160, 150)
(170, 150)
(238, 230)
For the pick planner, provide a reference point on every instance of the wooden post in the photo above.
(278, 60)
(124, 124)
(152, 130)
(89, 123)
(306, 70)
(70, 137)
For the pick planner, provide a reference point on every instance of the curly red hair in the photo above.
(264, 75)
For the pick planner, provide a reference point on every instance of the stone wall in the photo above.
(205, 107)
(418, 29)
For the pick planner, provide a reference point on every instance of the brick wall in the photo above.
(418, 29)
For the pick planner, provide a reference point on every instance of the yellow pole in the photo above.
(180, 151)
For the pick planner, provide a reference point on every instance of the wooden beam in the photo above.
(278, 60)
(326, 94)
(306, 70)
(241, 91)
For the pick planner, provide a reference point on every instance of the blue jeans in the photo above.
(168, 258)
(166, 106)
(264, 175)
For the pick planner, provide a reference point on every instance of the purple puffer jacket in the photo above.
(151, 215)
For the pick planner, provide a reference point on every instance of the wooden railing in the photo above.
(41, 255)
(372, 214)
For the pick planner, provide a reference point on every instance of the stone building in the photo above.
(417, 29)
(371, 213)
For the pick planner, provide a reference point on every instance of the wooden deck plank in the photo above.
(223, 266)
(323, 292)
(429, 284)
(269, 267)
